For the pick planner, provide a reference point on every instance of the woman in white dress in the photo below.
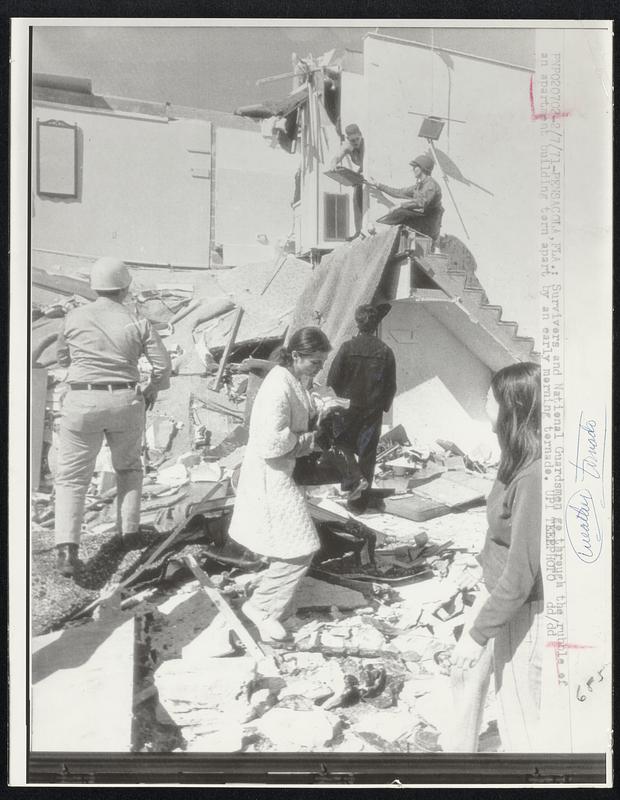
(270, 516)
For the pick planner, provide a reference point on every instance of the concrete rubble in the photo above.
(367, 664)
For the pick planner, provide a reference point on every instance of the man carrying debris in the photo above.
(364, 371)
(100, 346)
(424, 198)
(353, 149)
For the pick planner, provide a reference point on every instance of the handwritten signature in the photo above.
(582, 525)
(584, 532)
(587, 458)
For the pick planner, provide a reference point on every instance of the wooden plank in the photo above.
(228, 348)
(252, 648)
(109, 596)
(37, 421)
(279, 264)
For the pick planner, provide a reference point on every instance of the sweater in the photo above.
(510, 557)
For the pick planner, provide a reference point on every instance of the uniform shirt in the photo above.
(364, 371)
(424, 198)
(101, 342)
(510, 557)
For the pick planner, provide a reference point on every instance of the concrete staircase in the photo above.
(454, 281)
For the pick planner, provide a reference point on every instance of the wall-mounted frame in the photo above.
(57, 158)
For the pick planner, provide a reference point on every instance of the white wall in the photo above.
(496, 148)
(254, 186)
(442, 386)
(140, 198)
(315, 184)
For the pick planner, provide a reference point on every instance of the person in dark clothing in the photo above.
(424, 197)
(364, 372)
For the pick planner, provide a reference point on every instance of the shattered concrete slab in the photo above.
(291, 730)
(82, 688)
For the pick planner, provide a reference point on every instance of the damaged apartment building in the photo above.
(237, 231)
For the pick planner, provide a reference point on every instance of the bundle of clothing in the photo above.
(336, 462)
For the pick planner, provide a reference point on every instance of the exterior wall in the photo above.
(254, 187)
(315, 184)
(310, 230)
(491, 158)
(442, 386)
(144, 189)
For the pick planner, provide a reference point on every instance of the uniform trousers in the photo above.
(88, 417)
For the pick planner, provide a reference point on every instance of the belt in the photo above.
(108, 387)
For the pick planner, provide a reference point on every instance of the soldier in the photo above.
(424, 198)
(100, 346)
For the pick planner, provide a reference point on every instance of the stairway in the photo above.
(454, 280)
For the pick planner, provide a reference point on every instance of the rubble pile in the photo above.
(359, 674)
(367, 663)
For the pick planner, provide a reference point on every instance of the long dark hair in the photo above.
(304, 341)
(517, 391)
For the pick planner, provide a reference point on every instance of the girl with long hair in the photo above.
(270, 516)
(505, 636)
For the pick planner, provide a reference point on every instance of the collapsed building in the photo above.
(389, 591)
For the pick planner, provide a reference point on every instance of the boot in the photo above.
(67, 559)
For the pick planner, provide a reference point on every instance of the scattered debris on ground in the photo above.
(366, 667)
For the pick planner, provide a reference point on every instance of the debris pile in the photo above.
(366, 666)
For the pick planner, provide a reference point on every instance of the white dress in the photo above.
(270, 516)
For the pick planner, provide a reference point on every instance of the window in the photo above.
(57, 155)
(336, 219)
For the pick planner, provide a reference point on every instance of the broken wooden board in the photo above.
(415, 507)
(313, 593)
(449, 492)
(252, 648)
(82, 688)
(345, 176)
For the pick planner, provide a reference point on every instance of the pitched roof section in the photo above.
(347, 277)
(352, 274)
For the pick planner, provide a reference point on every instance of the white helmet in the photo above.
(108, 274)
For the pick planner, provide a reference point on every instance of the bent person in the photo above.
(270, 515)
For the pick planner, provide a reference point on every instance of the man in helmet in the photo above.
(353, 151)
(424, 197)
(100, 345)
(364, 371)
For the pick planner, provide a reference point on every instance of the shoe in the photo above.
(268, 627)
(67, 560)
(131, 541)
(356, 493)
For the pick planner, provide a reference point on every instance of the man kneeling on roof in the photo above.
(424, 198)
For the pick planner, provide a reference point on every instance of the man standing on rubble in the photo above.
(364, 371)
(424, 198)
(353, 149)
(100, 346)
